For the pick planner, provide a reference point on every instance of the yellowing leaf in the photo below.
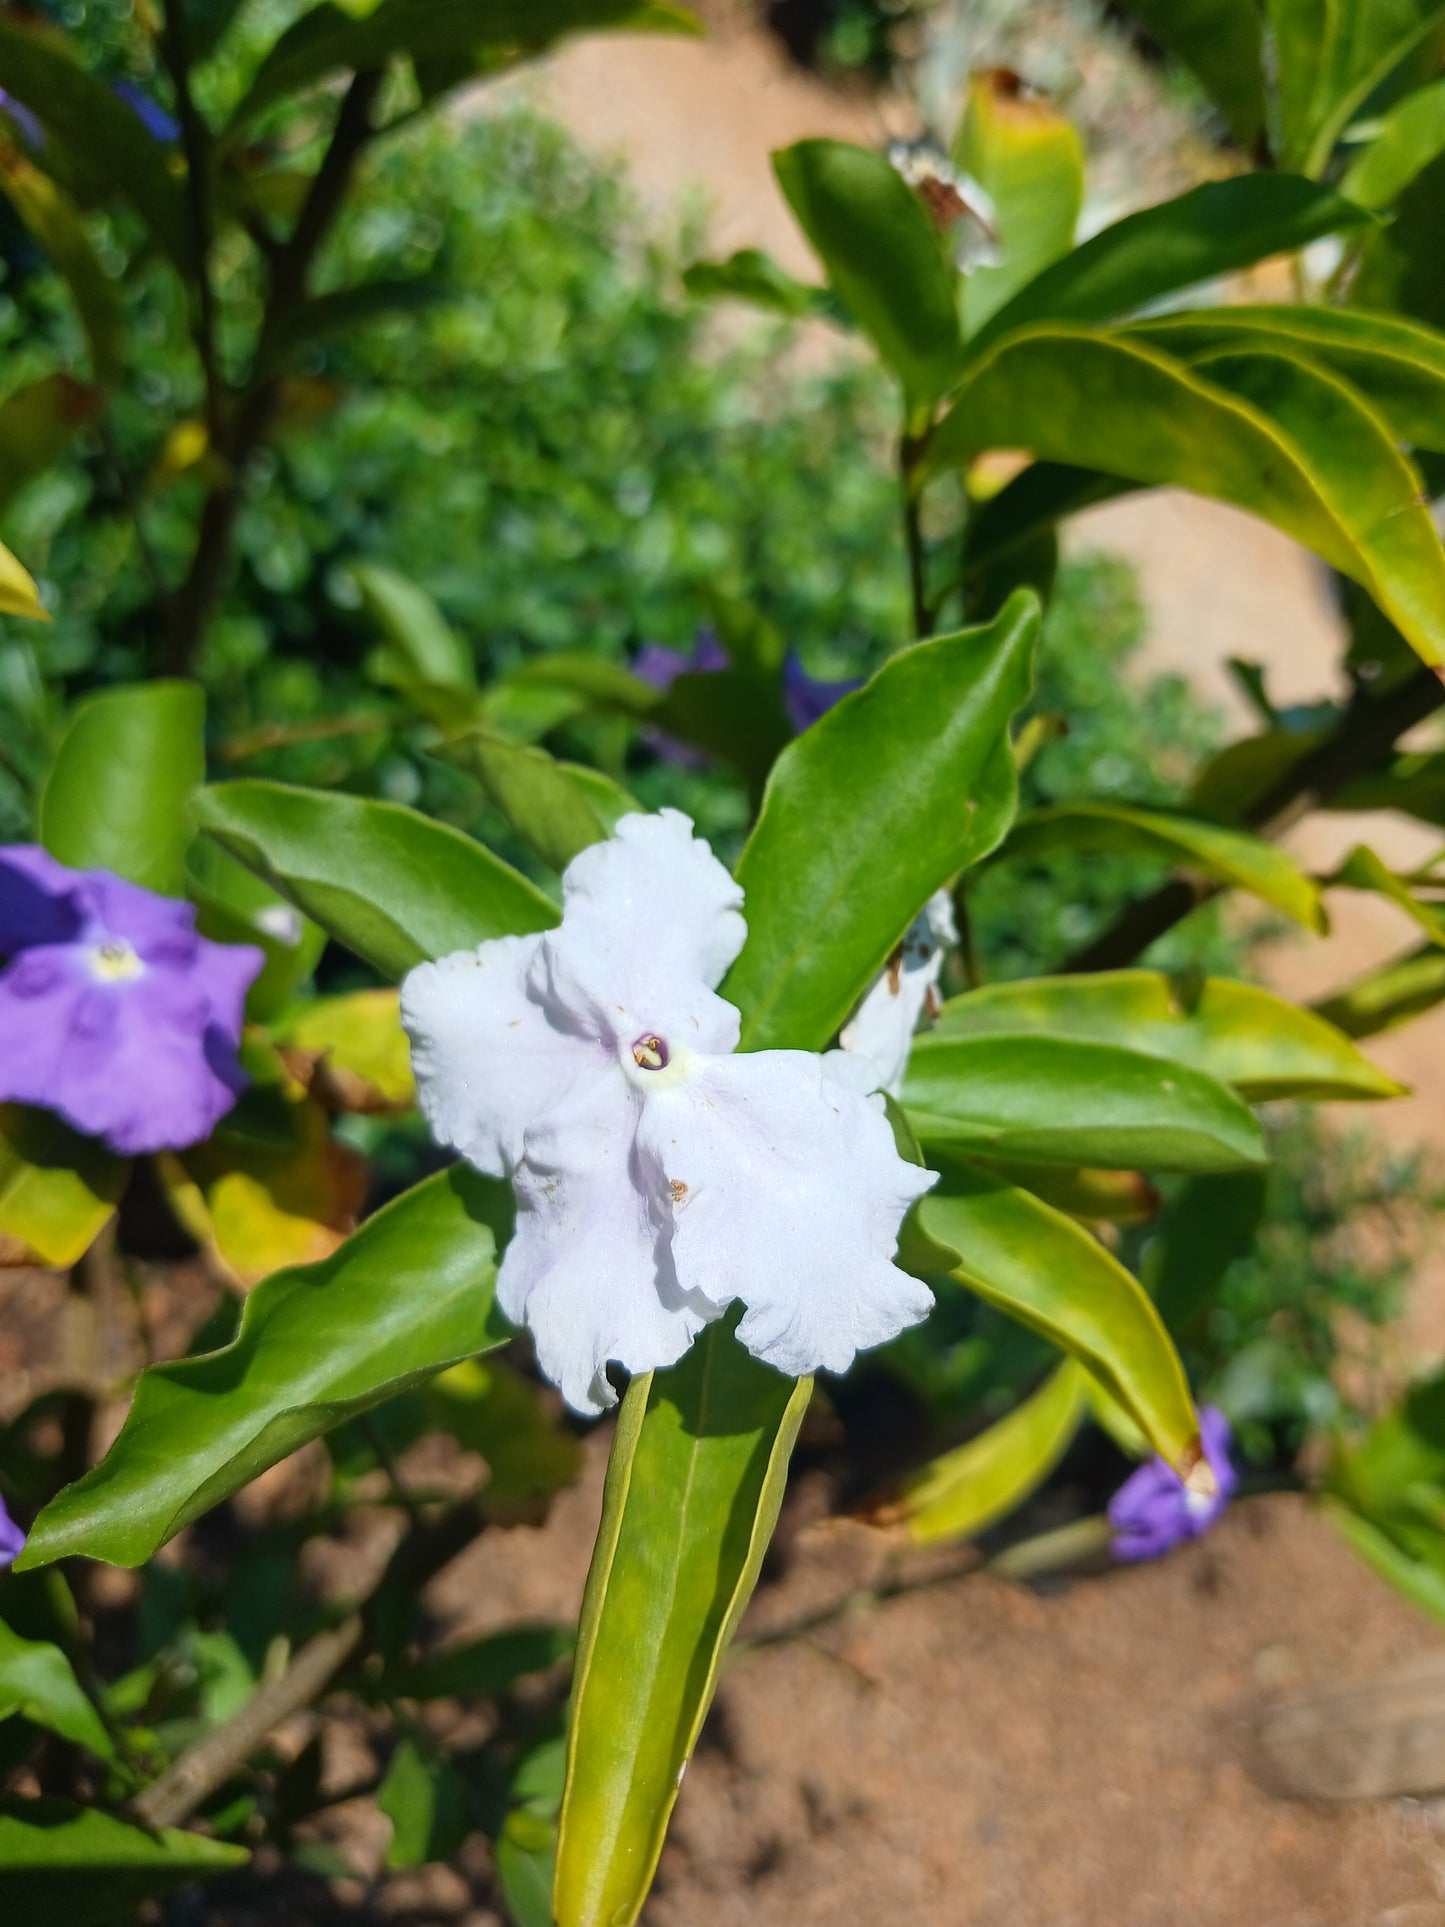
(18, 593)
(350, 1052)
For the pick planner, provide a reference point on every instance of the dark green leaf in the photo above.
(486, 1667)
(1213, 1222)
(1411, 135)
(752, 276)
(1221, 43)
(83, 1867)
(1391, 995)
(121, 789)
(56, 223)
(425, 1799)
(38, 1682)
(868, 813)
(38, 422)
(392, 885)
(407, 1295)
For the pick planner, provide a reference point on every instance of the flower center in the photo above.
(114, 961)
(649, 1052)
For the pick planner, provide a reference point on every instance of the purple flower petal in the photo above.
(38, 898)
(1152, 1512)
(12, 1539)
(806, 697)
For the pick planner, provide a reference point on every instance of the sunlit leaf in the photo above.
(83, 1866)
(38, 1682)
(350, 1050)
(58, 1190)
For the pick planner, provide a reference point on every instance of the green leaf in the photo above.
(1397, 365)
(18, 593)
(1413, 783)
(1259, 1044)
(1329, 56)
(1032, 1262)
(1221, 42)
(1230, 857)
(752, 276)
(734, 714)
(1391, 995)
(869, 812)
(56, 223)
(1210, 1225)
(87, 120)
(494, 1411)
(60, 1862)
(484, 1668)
(425, 1799)
(693, 1489)
(347, 310)
(545, 803)
(1324, 471)
(58, 1190)
(390, 884)
(1030, 162)
(38, 422)
(962, 1492)
(1363, 870)
(120, 791)
(38, 1682)
(425, 648)
(1416, 1579)
(330, 40)
(525, 1854)
(359, 1038)
(1410, 136)
(234, 906)
(407, 1295)
(1212, 230)
(883, 258)
(1060, 1100)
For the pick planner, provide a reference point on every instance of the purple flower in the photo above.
(1152, 1512)
(160, 125)
(113, 1012)
(806, 697)
(12, 1539)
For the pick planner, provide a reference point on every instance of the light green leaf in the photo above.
(1220, 41)
(392, 885)
(551, 810)
(1329, 56)
(868, 813)
(960, 1493)
(1032, 1262)
(84, 1867)
(1397, 365)
(424, 648)
(1259, 1044)
(18, 593)
(359, 1038)
(1212, 230)
(883, 257)
(1228, 856)
(1102, 402)
(38, 1682)
(1411, 135)
(1030, 162)
(120, 791)
(58, 1190)
(1363, 870)
(693, 1489)
(1061, 1100)
(407, 1295)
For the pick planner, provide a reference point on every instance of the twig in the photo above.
(320, 729)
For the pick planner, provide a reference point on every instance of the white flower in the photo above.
(658, 1176)
(880, 1032)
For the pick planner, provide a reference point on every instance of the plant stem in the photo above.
(910, 450)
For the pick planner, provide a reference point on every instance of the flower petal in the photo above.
(488, 1058)
(882, 1028)
(37, 898)
(786, 1191)
(588, 1269)
(650, 924)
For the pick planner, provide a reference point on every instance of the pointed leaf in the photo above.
(409, 1294)
(545, 803)
(38, 1682)
(868, 813)
(1391, 995)
(56, 223)
(18, 593)
(389, 883)
(79, 1865)
(752, 276)
(426, 647)
(1363, 870)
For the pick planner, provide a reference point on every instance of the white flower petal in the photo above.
(650, 924)
(488, 1057)
(882, 1028)
(788, 1193)
(588, 1270)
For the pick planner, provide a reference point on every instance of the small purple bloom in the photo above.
(160, 125)
(661, 666)
(806, 697)
(113, 1011)
(1152, 1512)
(12, 1539)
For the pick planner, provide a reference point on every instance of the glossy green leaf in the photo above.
(1212, 230)
(407, 1295)
(1391, 995)
(117, 150)
(1259, 1044)
(962, 1492)
(883, 258)
(1410, 136)
(121, 790)
(84, 1867)
(1230, 857)
(58, 1190)
(546, 804)
(752, 276)
(330, 39)
(1397, 365)
(1030, 162)
(1032, 1262)
(389, 883)
(38, 1682)
(868, 813)
(56, 223)
(1220, 41)
(425, 1798)
(424, 648)
(1062, 1100)
(1110, 403)
(1329, 57)
(693, 1489)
